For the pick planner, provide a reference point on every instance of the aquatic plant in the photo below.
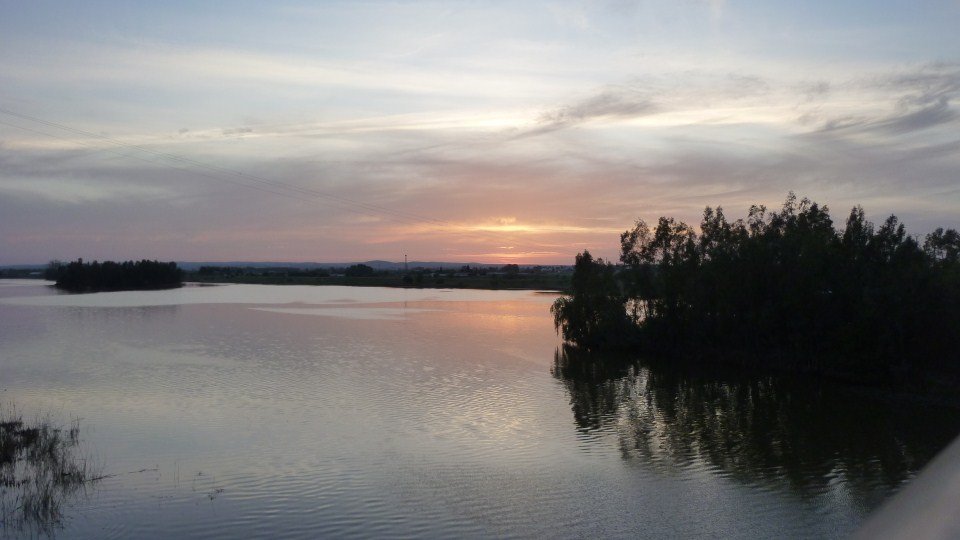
(41, 468)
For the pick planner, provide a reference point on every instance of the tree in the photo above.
(53, 270)
(943, 246)
(782, 288)
(112, 276)
(593, 315)
(359, 270)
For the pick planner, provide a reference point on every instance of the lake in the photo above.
(303, 412)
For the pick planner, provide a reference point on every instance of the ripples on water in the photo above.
(306, 412)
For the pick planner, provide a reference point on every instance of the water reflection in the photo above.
(813, 438)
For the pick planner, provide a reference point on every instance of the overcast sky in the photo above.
(459, 131)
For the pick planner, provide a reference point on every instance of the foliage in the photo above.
(784, 288)
(593, 315)
(78, 276)
(359, 270)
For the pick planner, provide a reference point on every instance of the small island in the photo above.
(781, 290)
(79, 276)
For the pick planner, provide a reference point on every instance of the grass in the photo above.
(41, 469)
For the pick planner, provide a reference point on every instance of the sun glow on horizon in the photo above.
(361, 131)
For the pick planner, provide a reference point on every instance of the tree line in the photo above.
(782, 288)
(78, 276)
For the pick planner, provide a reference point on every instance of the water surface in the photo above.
(302, 412)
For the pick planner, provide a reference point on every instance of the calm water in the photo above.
(237, 411)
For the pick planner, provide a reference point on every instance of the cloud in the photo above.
(72, 191)
(201, 73)
(816, 90)
(930, 116)
(685, 97)
(610, 103)
(440, 181)
(915, 100)
(234, 132)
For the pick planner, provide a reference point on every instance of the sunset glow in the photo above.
(456, 131)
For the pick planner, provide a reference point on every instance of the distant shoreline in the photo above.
(549, 282)
(557, 284)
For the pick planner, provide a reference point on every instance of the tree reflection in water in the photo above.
(806, 435)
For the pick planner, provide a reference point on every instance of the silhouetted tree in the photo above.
(782, 288)
(52, 272)
(78, 276)
(359, 270)
(593, 315)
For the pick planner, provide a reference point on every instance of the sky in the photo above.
(494, 132)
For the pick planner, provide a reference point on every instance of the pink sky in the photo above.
(458, 132)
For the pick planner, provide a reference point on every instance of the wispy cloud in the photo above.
(404, 127)
(917, 99)
(613, 103)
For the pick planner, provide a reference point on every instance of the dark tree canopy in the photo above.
(593, 315)
(359, 270)
(782, 288)
(78, 276)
